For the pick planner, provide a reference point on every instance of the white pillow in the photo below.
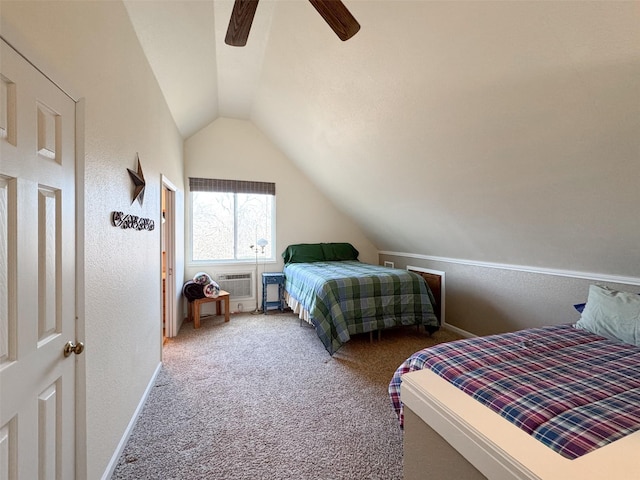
(612, 314)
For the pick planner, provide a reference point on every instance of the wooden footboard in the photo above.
(428, 455)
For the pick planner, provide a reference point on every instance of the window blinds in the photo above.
(231, 186)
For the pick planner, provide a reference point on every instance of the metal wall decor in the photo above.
(138, 181)
(119, 219)
(126, 221)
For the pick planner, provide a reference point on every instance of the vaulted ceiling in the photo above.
(202, 78)
(493, 131)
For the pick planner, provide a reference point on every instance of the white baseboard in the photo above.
(127, 433)
(457, 330)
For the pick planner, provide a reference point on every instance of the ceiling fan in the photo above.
(334, 13)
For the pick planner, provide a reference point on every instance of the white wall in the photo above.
(90, 49)
(236, 149)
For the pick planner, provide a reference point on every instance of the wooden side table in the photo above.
(194, 307)
(271, 278)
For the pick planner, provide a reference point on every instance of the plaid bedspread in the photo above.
(570, 389)
(349, 297)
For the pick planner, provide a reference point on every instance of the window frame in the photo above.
(269, 252)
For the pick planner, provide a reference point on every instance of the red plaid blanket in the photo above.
(570, 389)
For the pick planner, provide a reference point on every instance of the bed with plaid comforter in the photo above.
(344, 298)
(570, 389)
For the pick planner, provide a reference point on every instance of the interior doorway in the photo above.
(168, 249)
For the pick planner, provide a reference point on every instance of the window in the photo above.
(228, 217)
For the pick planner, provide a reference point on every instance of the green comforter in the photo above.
(348, 297)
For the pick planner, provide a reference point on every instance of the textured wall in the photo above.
(91, 50)
(493, 131)
(484, 300)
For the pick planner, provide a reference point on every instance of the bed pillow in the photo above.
(303, 253)
(580, 306)
(612, 314)
(339, 251)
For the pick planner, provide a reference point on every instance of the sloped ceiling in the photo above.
(501, 132)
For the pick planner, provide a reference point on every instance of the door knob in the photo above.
(71, 347)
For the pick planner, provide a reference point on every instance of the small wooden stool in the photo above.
(194, 307)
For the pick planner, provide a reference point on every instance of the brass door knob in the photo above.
(71, 347)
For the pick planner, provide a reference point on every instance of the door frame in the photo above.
(81, 397)
(168, 229)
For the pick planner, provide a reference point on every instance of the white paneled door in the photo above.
(37, 274)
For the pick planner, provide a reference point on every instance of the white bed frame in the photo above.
(488, 445)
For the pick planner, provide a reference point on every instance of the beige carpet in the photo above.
(260, 398)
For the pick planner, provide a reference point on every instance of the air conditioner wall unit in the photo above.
(238, 284)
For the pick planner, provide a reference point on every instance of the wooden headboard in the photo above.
(435, 284)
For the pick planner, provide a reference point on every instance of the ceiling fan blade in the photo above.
(240, 22)
(338, 17)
